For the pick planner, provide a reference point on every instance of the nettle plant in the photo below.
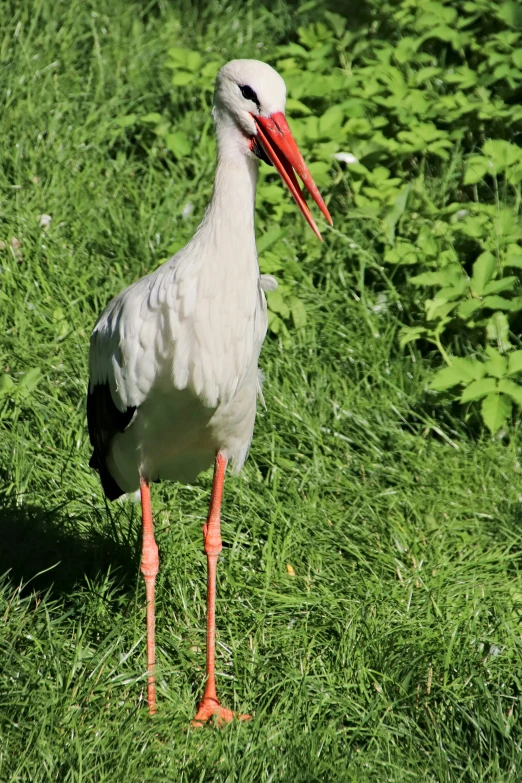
(447, 106)
(475, 308)
(490, 380)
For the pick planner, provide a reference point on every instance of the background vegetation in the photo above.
(370, 594)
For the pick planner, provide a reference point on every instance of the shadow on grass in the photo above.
(51, 550)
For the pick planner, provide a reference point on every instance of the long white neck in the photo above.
(218, 280)
(228, 226)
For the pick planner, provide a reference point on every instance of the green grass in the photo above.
(394, 652)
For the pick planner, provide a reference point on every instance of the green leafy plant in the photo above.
(490, 381)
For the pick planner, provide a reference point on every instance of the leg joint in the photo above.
(213, 545)
(150, 559)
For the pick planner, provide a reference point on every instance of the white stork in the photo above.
(174, 358)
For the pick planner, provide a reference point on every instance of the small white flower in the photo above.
(346, 157)
(462, 213)
(44, 220)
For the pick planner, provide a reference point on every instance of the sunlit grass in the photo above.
(369, 588)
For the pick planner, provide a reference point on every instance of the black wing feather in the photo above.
(105, 421)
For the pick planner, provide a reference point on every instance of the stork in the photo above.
(173, 359)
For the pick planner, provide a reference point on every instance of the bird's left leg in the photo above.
(209, 704)
(149, 569)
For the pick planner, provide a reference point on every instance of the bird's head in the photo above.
(249, 111)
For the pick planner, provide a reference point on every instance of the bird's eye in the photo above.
(248, 93)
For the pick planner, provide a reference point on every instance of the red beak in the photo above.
(278, 143)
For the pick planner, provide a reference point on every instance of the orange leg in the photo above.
(209, 704)
(149, 569)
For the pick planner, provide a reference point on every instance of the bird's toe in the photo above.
(209, 708)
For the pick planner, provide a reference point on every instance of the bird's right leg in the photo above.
(149, 569)
(209, 704)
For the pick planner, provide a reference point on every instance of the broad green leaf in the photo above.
(497, 364)
(30, 379)
(297, 107)
(513, 256)
(443, 277)
(450, 293)
(431, 278)
(337, 22)
(393, 217)
(438, 308)
(180, 55)
(410, 333)
(507, 226)
(483, 270)
(194, 60)
(6, 384)
(511, 13)
(467, 308)
(402, 253)
(516, 304)
(153, 118)
(269, 238)
(331, 120)
(462, 370)
(271, 193)
(320, 171)
(495, 286)
(310, 127)
(496, 302)
(471, 226)
(446, 379)
(471, 369)
(210, 71)
(178, 143)
(446, 34)
(182, 78)
(478, 389)
(425, 74)
(277, 304)
(514, 390)
(502, 153)
(502, 71)
(476, 169)
(270, 262)
(514, 363)
(464, 76)
(298, 311)
(495, 410)
(126, 121)
(405, 48)
(497, 329)
(429, 245)
(514, 175)
(274, 322)
(162, 128)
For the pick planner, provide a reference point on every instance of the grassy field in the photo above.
(369, 590)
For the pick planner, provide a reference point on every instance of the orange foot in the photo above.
(209, 707)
